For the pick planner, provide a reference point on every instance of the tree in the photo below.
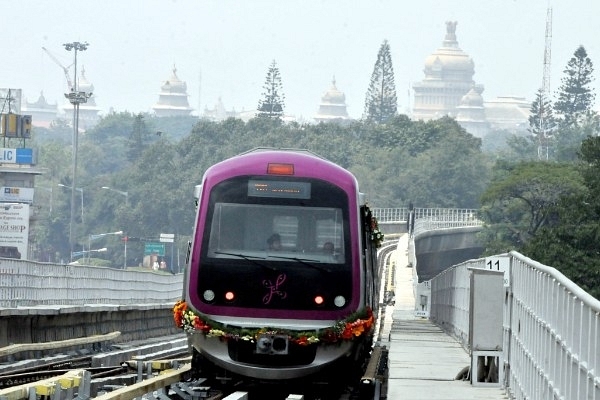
(575, 97)
(542, 123)
(272, 103)
(571, 244)
(138, 139)
(381, 103)
(522, 199)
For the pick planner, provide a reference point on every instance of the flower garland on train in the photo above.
(355, 326)
(376, 234)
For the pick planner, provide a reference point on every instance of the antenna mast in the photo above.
(543, 139)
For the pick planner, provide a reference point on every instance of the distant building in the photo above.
(333, 106)
(449, 90)
(173, 98)
(508, 113)
(471, 113)
(448, 77)
(218, 112)
(42, 113)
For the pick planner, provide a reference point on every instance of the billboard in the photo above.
(11, 194)
(14, 230)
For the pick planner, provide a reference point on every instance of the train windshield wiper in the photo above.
(304, 261)
(252, 259)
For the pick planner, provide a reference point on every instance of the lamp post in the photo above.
(118, 191)
(98, 236)
(73, 190)
(126, 204)
(78, 190)
(88, 252)
(76, 98)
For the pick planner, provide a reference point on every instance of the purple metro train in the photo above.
(281, 280)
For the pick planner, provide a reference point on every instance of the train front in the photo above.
(275, 283)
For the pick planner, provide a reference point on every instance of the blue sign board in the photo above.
(16, 156)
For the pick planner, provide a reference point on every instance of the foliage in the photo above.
(388, 160)
(381, 103)
(272, 103)
(542, 123)
(575, 97)
(571, 243)
(521, 199)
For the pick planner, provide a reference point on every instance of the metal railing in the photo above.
(551, 328)
(432, 214)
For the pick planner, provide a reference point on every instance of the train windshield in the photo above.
(298, 221)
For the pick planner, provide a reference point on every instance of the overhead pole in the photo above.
(544, 134)
(75, 97)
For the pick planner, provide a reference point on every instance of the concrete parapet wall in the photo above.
(54, 324)
(436, 250)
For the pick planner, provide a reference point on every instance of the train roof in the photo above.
(305, 151)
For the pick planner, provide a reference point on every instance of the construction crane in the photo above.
(543, 136)
(65, 69)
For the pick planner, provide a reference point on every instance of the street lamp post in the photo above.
(76, 98)
(88, 252)
(78, 190)
(98, 236)
(73, 190)
(118, 191)
(126, 204)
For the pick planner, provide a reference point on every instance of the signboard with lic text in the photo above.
(20, 155)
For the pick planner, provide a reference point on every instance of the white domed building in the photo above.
(449, 90)
(471, 113)
(173, 98)
(88, 111)
(448, 77)
(333, 106)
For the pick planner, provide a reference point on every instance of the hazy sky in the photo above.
(223, 48)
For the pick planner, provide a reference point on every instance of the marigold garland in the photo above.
(356, 325)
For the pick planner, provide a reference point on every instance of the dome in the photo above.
(173, 98)
(174, 84)
(333, 95)
(473, 98)
(333, 105)
(449, 59)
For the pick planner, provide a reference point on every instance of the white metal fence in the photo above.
(431, 214)
(27, 283)
(551, 344)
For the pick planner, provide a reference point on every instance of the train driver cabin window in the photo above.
(314, 233)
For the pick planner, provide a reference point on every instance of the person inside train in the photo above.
(274, 242)
(328, 248)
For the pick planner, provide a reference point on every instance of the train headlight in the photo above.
(272, 344)
(208, 295)
(319, 300)
(229, 296)
(339, 301)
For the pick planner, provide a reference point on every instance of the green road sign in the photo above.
(154, 248)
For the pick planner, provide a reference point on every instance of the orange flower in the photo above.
(347, 333)
(302, 341)
(178, 309)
